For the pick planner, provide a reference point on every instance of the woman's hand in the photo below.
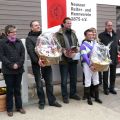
(15, 66)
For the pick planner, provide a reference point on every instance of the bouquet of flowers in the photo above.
(48, 49)
(71, 52)
(100, 57)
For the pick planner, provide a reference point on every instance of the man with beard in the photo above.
(67, 39)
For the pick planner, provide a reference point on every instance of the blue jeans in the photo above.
(13, 84)
(47, 75)
(71, 69)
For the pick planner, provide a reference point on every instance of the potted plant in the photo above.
(2, 99)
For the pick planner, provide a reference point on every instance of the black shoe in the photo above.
(113, 91)
(106, 92)
(89, 101)
(65, 100)
(56, 104)
(98, 101)
(75, 97)
(10, 114)
(41, 106)
(84, 98)
(22, 111)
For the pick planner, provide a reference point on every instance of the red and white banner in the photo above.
(82, 13)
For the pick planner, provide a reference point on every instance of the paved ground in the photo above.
(75, 110)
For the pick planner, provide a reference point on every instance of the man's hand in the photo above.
(41, 63)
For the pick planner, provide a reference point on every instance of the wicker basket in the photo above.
(47, 61)
(2, 103)
(48, 48)
(99, 67)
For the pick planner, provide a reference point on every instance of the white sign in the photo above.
(83, 15)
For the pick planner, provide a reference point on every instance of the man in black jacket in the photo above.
(39, 70)
(2, 35)
(106, 37)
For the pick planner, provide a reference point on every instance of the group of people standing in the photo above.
(12, 55)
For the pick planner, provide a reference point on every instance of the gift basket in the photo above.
(100, 57)
(48, 49)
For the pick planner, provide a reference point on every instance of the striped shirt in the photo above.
(86, 48)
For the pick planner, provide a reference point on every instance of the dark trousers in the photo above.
(112, 78)
(46, 73)
(70, 68)
(13, 85)
(100, 78)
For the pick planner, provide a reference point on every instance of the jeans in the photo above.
(70, 68)
(46, 73)
(112, 78)
(13, 85)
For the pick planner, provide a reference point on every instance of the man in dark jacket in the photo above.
(12, 55)
(39, 70)
(106, 37)
(2, 35)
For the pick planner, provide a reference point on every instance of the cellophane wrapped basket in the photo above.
(48, 49)
(100, 57)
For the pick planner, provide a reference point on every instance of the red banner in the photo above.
(56, 12)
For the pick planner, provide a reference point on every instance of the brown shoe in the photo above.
(22, 111)
(10, 114)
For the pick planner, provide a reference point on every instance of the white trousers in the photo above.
(90, 76)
